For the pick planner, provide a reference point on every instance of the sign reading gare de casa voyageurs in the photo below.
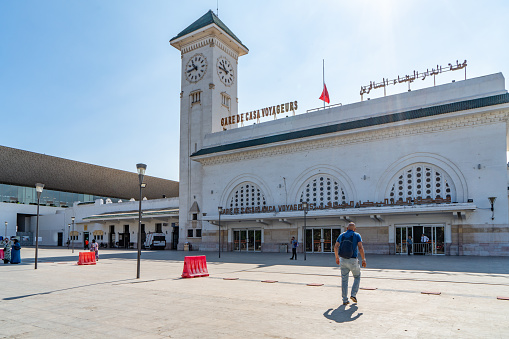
(334, 205)
(291, 106)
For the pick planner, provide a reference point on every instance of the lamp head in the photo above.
(220, 209)
(141, 168)
(305, 205)
(6, 224)
(39, 187)
(72, 219)
(492, 199)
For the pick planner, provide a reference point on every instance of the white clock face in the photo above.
(196, 68)
(225, 71)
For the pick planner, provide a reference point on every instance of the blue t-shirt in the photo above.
(356, 239)
(295, 243)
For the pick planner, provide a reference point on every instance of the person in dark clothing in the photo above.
(295, 243)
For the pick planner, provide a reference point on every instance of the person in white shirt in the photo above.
(425, 240)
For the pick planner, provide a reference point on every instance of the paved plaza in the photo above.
(63, 300)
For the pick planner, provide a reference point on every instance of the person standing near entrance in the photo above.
(95, 248)
(7, 250)
(409, 245)
(295, 243)
(425, 240)
(86, 244)
(16, 252)
(346, 253)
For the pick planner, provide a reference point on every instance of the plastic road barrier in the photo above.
(195, 266)
(1, 254)
(87, 258)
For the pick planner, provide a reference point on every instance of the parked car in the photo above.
(155, 241)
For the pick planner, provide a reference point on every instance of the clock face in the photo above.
(196, 68)
(225, 71)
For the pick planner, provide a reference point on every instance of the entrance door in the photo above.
(247, 240)
(60, 239)
(435, 244)
(402, 233)
(321, 240)
(112, 236)
(86, 237)
(431, 243)
(175, 241)
(123, 240)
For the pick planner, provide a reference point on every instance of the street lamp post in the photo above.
(305, 207)
(72, 219)
(38, 187)
(220, 210)
(68, 235)
(6, 230)
(141, 168)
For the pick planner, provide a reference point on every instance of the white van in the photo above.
(155, 241)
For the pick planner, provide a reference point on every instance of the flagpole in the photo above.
(323, 77)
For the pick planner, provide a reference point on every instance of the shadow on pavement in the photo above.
(342, 314)
(62, 289)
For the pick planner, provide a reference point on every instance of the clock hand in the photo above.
(224, 70)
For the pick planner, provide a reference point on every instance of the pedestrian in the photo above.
(86, 244)
(16, 252)
(95, 248)
(295, 243)
(409, 245)
(425, 240)
(7, 251)
(346, 253)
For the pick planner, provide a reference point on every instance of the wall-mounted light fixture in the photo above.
(492, 202)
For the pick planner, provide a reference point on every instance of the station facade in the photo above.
(431, 161)
(101, 200)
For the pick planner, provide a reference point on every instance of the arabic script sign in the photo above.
(411, 78)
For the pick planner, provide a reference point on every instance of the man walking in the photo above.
(346, 248)
(295, 243)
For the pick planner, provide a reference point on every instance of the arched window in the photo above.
(322, 189)
(246, 194)
(421, 181)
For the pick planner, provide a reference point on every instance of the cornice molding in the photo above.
(212, 41)
(384, 132)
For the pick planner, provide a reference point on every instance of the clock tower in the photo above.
(209, 52)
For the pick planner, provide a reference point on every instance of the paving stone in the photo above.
(105, 300)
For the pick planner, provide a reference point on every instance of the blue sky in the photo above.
(98, 82)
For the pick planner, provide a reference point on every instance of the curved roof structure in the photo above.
(24, 168)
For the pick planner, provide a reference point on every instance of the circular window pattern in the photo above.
(246, 195)
(329, 185)
(437, 184)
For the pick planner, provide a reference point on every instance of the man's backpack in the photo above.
(346, 246)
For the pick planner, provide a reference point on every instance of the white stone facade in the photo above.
(93, 217)
(458, 156)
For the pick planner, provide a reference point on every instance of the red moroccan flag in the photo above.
(325, 95)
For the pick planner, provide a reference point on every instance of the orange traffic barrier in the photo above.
(1, 254)
(87, 258)
(195, 266)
